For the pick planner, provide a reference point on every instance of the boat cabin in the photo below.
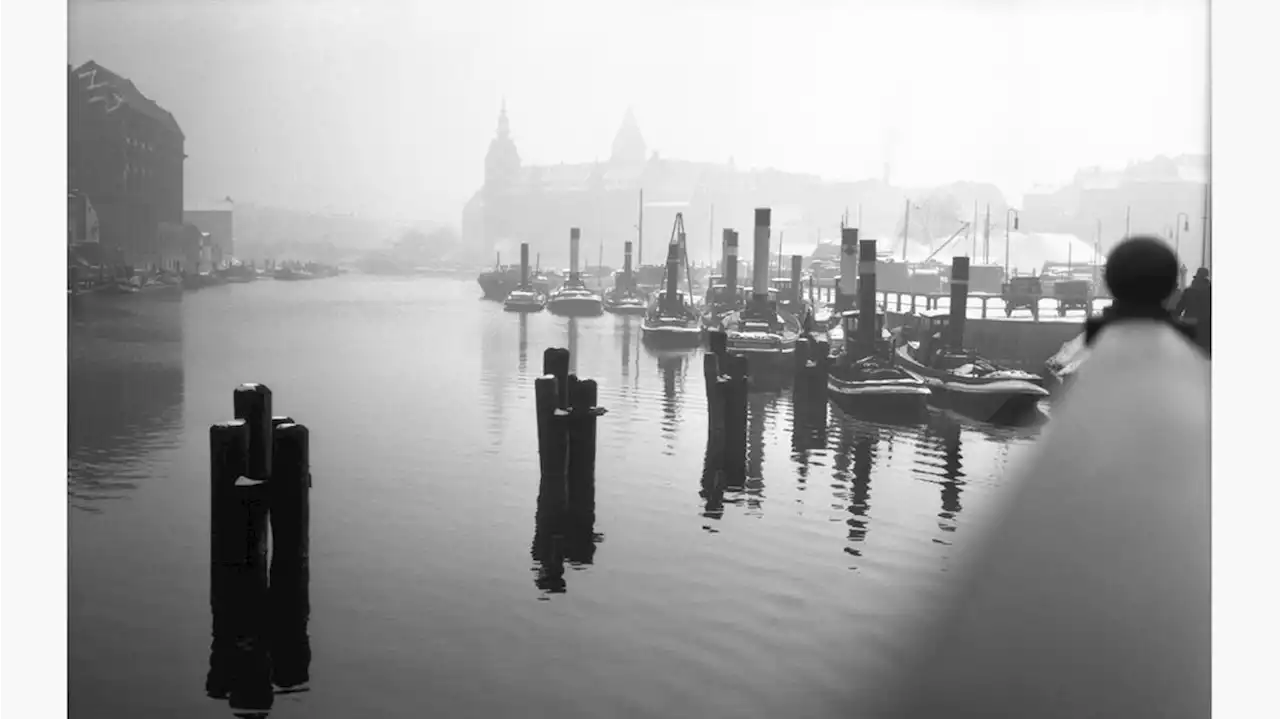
(930, 329)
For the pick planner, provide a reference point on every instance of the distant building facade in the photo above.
(1152, 193)
(539, 203)
(125, 153)
(217, 220)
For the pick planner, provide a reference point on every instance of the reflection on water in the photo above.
(941, 463)
(422, 584)
(124, 390)
(671, 367)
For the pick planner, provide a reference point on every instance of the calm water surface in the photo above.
(785, 598)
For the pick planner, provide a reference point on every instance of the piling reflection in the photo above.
(572, 344)
(261, 643)
(809, 415)
(125, 384)
(564, 532)
(495, 373)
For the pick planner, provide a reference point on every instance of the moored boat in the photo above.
(865, 376)
(671, 320)
(969, 383)
(524, 301)
(525, 298)
(625, 297)
(574, 299)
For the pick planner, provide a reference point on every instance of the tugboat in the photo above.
(766, 335)
(524, 298)
(970, 383)
(498, 282)
(671, 321)
(573, 299)
(625, 298)
(865, 377)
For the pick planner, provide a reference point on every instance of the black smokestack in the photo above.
(626, 265)
(731, 263)
(846, 289)
(868, 331)
(760, 262)
(524, 265)
(959, 299)
(797, 263)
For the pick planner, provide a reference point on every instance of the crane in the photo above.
(963, 226)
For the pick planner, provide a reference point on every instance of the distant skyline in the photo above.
(386, 109)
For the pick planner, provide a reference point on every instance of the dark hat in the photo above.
(1202, 273)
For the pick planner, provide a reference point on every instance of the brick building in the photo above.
(125, 153)
(217, 220)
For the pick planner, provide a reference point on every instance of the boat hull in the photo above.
(518, 306)
(669, 336)
(897, 397)
(626, 308)
(984, 399)
(576, 306)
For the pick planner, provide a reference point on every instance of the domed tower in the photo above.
(628, 145)
(501, 184)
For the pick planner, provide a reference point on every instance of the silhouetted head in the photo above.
(1202, 273)
(1142, 270)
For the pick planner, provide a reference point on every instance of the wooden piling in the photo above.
(555, 362)
(803, 350)
(239, 663)
(718, 342)
(581, 472)
(290, 602)
(252, 403)
(553, 445)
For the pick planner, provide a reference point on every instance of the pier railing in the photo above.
(1091, 593)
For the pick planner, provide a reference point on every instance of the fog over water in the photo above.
(387, 108)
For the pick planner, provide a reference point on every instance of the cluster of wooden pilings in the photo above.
(809, 387)
(260, 482)
(568, 410)
(726, 379)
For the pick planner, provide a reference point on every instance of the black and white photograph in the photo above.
(726, 359)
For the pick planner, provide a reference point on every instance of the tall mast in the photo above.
(906, 222)
(640, 233)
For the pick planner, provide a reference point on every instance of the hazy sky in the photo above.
(387, 107)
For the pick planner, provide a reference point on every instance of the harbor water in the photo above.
(789, 597)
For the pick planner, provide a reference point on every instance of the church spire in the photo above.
(502, 164)
(504, 130)
(628, 145)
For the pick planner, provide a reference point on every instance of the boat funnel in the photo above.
(670, 303)
(959, 300)
(524, 265)
(868, 322)
(731, 262)
(797, 264)
(574, 239)
(847, 285)
(760, 262)
(626, 264)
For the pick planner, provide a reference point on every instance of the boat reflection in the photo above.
(125, 385)
(524, 344)
(671, 366)
(940, 461)
(855, 460)
(573, 345)
(626, 323)
(760, 408)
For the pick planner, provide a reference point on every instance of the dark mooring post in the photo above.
(555, 362)
(581, 472)
(252, 403)
(583, 400)
(735, 441)
(290, 598)
(803, 350)
(553, 447)
(239, 662)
